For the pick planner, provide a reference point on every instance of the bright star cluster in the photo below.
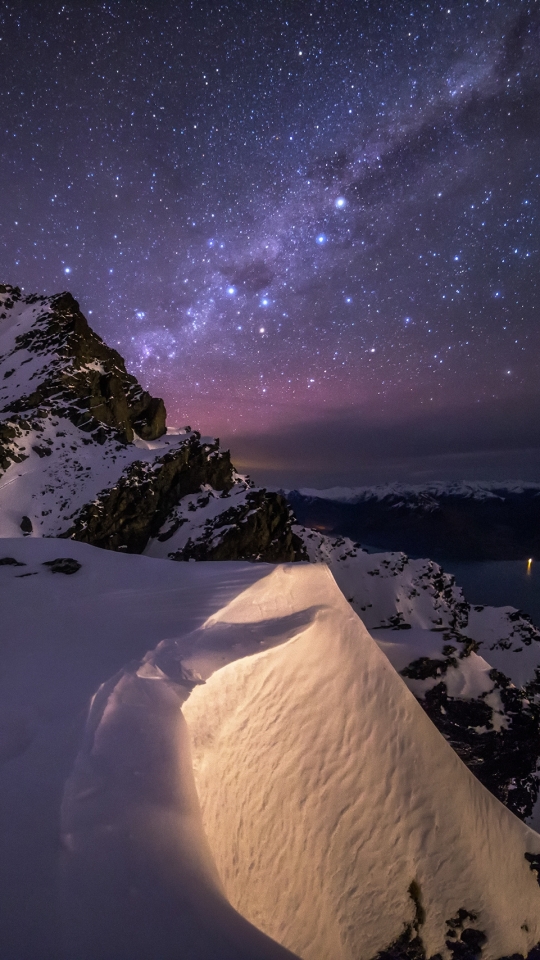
(277, 210)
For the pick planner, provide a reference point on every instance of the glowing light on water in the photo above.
(529, 564)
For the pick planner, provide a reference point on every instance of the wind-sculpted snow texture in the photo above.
(72, 617)
(326, 822)
(139, 880)
(370, 822)
(475, 670)
(85, 453)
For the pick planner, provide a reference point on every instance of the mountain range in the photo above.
(449, 521)
(304, 749)
(85, 453)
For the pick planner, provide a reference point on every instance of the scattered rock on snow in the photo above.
(63, 565)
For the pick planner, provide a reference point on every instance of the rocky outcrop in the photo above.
(258, 529)
(132, 512)
(125, 516)
(87, 380)
(504, 760)
(86, 453)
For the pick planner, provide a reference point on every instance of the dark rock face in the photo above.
(125, 516)
(107, 394)
(464, 941)
(258, 530)
(8, 453)
(65, 565)
(504, 760)
(409, 946)
(534, 863)
(69, 406)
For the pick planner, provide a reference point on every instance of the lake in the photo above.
(500, 583)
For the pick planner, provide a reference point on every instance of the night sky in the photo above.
(312, 227)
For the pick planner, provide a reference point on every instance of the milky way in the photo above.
(284, 213)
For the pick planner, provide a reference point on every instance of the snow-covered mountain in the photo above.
(459, 521)
(474, 669)
(253, 776)
(222, 761)
(425, 496)
(85, 453)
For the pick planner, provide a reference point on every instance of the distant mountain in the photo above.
(449, 521)
(85, 453)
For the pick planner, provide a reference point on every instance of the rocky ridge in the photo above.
(85, 452)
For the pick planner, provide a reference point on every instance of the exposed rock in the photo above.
(87, 381)
(104, 468)
(504, 760)
(409, 946)
(492, 723)
(534, 863)
(63, 565)
(126, 515)
(259, 529)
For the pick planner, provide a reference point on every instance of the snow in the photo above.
(318, 747)
(505, 649)
(62, 636)
(421, 621)
(28, 366)
(192, 519)
(381, 585)
(197, 758)
(138, 876)
(51, 489)
(323, 786)
(477, 490)
(62, 469)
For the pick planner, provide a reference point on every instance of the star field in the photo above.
(289, 212)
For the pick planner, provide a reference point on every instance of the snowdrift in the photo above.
(318, 748)
(316, 812)
(474, 669)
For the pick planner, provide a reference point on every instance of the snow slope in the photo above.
(138, 876)
(318, 747)
(323, 785)
(61, 637)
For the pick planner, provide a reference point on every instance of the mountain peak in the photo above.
(85, 452)
(82, 377)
